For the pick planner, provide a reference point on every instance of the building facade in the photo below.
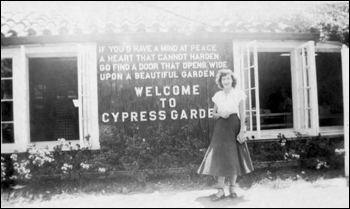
(146, 74)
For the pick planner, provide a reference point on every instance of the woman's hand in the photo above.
(216, 115)
(241, 137)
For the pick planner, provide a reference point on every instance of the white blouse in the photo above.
(229, 103)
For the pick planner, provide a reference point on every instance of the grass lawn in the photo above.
(271, 178)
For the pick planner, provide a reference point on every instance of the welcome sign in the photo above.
(161, 82)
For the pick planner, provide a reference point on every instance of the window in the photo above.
(38, 74)
(330, 89)
(7, 125)
(266, 79)
(53, 90)
(283, 87)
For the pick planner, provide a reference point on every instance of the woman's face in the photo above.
(226, 81)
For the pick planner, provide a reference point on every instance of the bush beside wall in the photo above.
(156, 152)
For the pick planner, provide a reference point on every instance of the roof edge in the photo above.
(156, 37)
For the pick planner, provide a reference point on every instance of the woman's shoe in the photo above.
(217, 197)
(233, 194)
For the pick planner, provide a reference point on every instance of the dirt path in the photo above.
(326, 193)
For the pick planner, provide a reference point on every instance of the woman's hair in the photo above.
(222, 73)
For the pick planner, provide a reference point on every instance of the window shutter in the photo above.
(85, 65)
(250, 85)
(305, 89)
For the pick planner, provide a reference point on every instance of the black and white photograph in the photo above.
(175, 104)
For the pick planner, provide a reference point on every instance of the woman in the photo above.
(225, 157)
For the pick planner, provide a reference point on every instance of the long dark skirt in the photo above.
(225, 155)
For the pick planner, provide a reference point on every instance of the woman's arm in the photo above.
(242, 114)
(215, 112)
(241, 136)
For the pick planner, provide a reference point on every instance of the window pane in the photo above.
(6, 111)
(6, 68)
(305, 57)
(53, 85)
(309, 117)
(246, 79)
(249, 128)
(255, 127)
(307, 72)
(6, 89)
(302, 118)
(251, 121)
(303, 78)
(308, 98)
(275, 91)
(253, 99)
(251, 57)
(7, 133)
(247, 102)
(245, 59)
(252, 77)
(329, 89)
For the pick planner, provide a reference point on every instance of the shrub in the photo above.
(313, 152)
(158, 150)
(161, 148)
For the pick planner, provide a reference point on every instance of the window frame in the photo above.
(285, 47)
(17, 99)
(14, 54)
(21, 93)
(6, 79)
(345, 70)
(335, 130)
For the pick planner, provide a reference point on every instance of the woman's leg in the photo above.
(220, 185)
(232, 186)
(221, 182)
(233, 180)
